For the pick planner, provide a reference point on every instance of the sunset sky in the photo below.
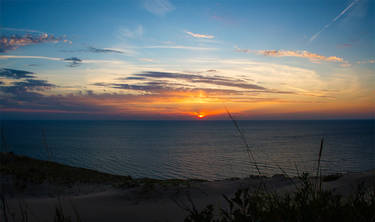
(160, 59)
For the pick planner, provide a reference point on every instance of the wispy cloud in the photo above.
(313, 57)
(29, 57)
(93, 49)
(333, 20)
(21, 30)
(71, 59)
(28, 82)
(34, 84)
(184, 93)
(165, 89)
(170, 82)
(74, 61)
(179, 47)
(158, 7)
(105, 50)
(132, 33)
(146, 60)
(302, 54)
(15, 74)
(196, 35)
(15, 41)
(94, 61)
(224, 19)
(370, 61)
(194, 78)
(28, 94)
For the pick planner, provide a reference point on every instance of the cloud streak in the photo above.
(25, 90)
(34, 84)
(29, 57)
(21, 30)
(158, 7)
(313, 57)
(105, 50)
(71, 59)
(180, 47)
(196, 35)
(192, 78)
(165, 89)
(128, 33)
(370, 61)
(15, 74)
(301, 54)
(74, 61)
(333, 20)
(15, 41)
(169, 83)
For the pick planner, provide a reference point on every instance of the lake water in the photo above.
(197, 149)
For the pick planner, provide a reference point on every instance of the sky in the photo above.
(167, 60)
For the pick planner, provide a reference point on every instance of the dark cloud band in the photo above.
(15, 74)
(98, 50)
(74, 61)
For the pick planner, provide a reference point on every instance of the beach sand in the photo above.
(156, 201)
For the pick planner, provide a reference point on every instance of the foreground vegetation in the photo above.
(307, 203)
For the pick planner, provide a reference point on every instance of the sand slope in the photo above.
(158, 203)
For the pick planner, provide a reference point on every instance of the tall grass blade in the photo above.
(318, 171)
(4, 208)
(287, 176)
(76, 213)
(295, 165)
(243, 138)
(23, 211)
(4, 146)
(46, 145)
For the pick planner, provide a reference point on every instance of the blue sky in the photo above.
(310, 58)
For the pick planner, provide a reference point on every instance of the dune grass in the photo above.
(306, 204)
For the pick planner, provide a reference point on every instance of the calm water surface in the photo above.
(197, 149)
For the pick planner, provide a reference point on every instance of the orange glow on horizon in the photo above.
(198, 105)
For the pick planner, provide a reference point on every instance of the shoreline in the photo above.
(37, 161)
(19, 168)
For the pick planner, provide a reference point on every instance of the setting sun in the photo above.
(201, 116)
